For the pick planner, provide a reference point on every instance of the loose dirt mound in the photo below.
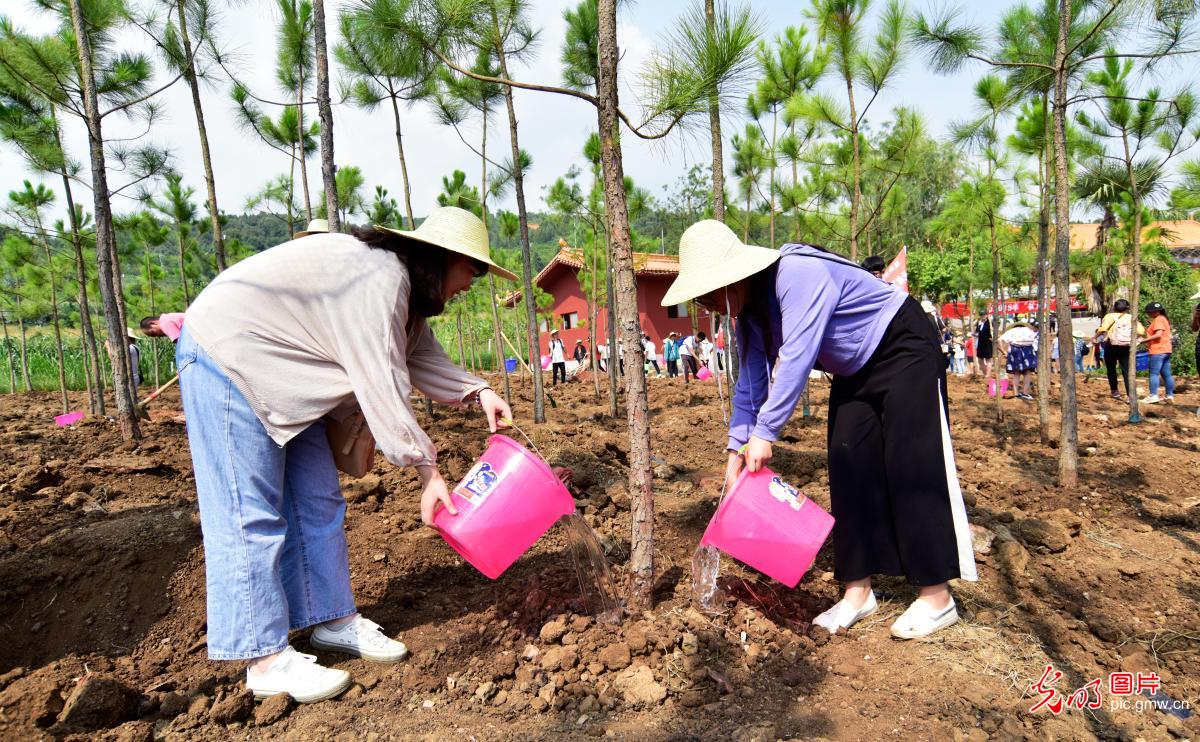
(102, 592)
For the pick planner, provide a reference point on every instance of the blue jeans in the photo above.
(274, 545)
(1160, 363)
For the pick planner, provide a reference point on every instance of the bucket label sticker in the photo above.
(785, 492)
(480, 482)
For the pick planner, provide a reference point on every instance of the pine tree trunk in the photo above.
(91, 353)
(183, 282)
(856, 193)
(109, 269)
(1136, 289)
(531, 329)
(614, 358)
(501, 366)
(24, 349)
(325, 111)
(997, 310)
(1068, 442)
(714, 127)
(1045, 427)
(8, 353)
(771, 184)
(210, 181)
(458, 334)
(302, 156)
(404, 168)
(153, 313)
(594, 314)
(641, 562)
(58, 342)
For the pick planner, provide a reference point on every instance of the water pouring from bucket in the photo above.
(506, 502)
(766, 524)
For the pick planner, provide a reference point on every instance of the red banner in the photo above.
(897, 271)
(958, 310)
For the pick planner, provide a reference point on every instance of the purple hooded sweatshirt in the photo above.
(824, 309)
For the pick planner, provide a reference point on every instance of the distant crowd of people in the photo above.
(1108, 347)
(680, 355)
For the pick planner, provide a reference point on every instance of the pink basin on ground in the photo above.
(70, 418)
(704, 373)
(545, 362)
(992, 387)
(766, 524)
(507, 500)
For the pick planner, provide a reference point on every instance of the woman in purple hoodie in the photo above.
(895, 496)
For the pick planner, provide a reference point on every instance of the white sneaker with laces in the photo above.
(361, 638)
(1153, 399)
(922, 619)
(299, 675)
(843, 615)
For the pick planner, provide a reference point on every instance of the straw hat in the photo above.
(458, 231)
(316, 226)
(712, 257)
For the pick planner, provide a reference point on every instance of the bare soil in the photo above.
(102, 625)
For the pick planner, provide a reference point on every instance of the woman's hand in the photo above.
(758, 453)
(495, 408)
(733, 469)
(435, 491)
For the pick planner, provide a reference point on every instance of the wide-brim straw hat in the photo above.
(458, 231)
(712, 257)
(316, 226)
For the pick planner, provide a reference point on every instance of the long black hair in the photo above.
(426, 266)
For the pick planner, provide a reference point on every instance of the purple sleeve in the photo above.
(752, 385)
(808, 296)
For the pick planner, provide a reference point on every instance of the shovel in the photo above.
(140, 407)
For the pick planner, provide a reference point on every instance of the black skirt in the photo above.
(896, 500)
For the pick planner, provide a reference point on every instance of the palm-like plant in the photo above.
(283, 135)
(1149, 131)
(383, 67)
(176, 205)
(750, 162)
(715, 44)
(857, 62)
(294, 73)
(384, 210)
(28, 205)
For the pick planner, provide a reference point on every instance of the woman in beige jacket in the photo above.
(314, 328)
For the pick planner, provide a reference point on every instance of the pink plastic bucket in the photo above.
(70, 418)
(766, 524)
(703, 374)
(545, 362)
(992, 387)
(507, 500)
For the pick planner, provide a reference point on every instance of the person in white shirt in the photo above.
(558, 357)
(651, 354)
(706, 352)
(602, 351)
(688, 351)
(1018, 343)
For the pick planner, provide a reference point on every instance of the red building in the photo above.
(655, 272)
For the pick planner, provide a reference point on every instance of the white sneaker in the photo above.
(1171, 398)
(922, 619)
(361, 638)
(1152, 399)
(843, 615)
(301, 676)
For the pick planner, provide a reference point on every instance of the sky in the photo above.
(552, 128)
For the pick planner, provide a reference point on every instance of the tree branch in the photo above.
(142, 99)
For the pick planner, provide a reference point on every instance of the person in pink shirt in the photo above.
(168, 325)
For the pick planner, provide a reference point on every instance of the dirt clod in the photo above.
(99, 702)
(237, 707)
(273, 708)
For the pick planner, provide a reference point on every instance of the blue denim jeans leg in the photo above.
(274, 543)
(1160, 365)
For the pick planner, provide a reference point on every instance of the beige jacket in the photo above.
(314, 325)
